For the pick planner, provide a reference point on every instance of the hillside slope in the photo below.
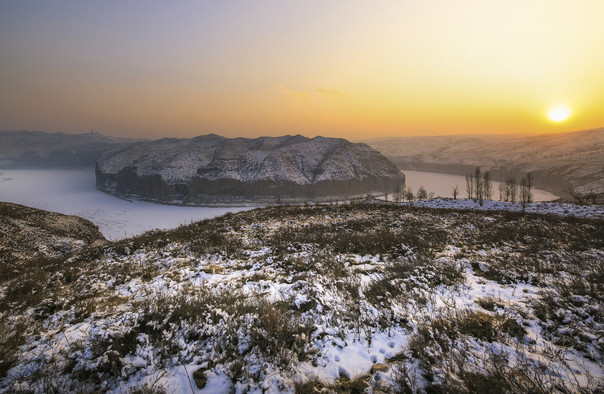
(558, 161)
(349, 298)
(214, 169)
(29, 234)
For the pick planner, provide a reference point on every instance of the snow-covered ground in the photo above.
(442, 185)
(73, 192)
(366, 297)
(543, 207)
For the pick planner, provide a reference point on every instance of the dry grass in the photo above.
(380, 263)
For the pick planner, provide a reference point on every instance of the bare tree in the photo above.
(593, 196)
(409, 194)
(502, 196)
(511, 189)
(526, 184)
(478, 189)
(529, 184)
(455, 191)
(487, 185)
(524, 193)
(470, 185)
(479, 185)
(397, 193)
(582, 198)
(421, 194)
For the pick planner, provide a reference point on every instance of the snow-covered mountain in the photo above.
(214, 169)
(558, 161)
(37, 149)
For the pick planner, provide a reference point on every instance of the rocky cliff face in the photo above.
(211, 169)
(29, 234)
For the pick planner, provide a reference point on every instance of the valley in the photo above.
(559, 161)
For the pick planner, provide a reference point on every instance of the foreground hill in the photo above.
(558, 161)
(349, 298)
(210, 169)
(28, 234)
(37, 149)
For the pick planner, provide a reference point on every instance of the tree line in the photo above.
(479, 187)
(406, 194)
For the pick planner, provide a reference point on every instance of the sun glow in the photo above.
(402, 68)
(558, 114)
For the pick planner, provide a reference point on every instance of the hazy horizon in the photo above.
(308, 135)
(351, 69)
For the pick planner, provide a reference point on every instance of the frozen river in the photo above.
(73, 192)
(442, 185)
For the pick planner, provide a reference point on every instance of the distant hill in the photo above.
(211, 169)
(37, 149)
(558, 161)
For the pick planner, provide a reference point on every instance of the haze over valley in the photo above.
(559, 161)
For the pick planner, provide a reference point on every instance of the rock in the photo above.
(213, 170)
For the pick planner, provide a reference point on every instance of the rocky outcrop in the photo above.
(211, 169)
(28, 234)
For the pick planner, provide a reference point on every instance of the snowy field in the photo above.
(369, 298)
(442, 185)
(73, 192)
(542, 207)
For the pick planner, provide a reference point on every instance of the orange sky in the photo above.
(353, 69)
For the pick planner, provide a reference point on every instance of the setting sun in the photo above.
(558, 114)
(257, 68)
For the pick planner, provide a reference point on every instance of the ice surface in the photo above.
(73, 192)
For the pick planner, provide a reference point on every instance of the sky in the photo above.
(352, 69)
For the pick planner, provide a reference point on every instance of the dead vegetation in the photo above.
(271, 289)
